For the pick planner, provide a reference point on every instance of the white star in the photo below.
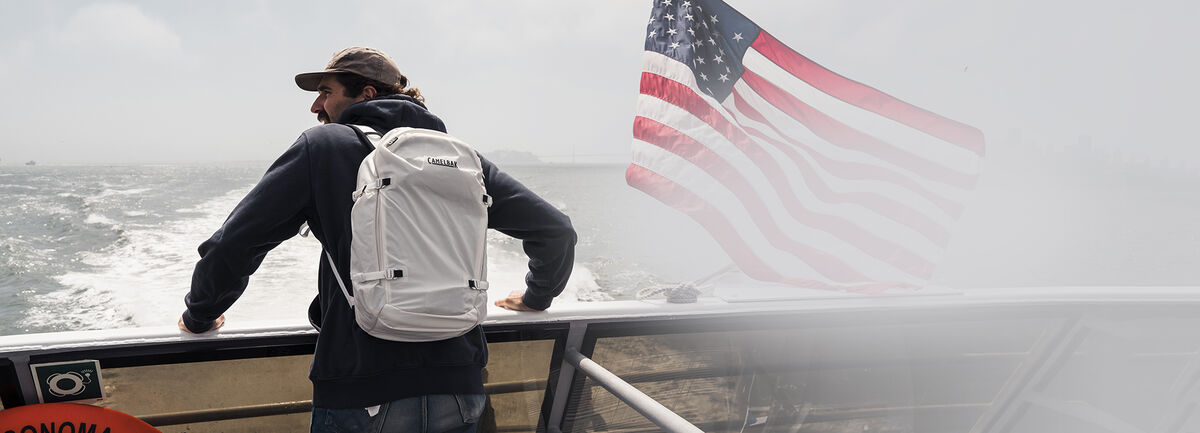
(651, 20)
(703, 77)
(700, 59)
(666, 2)
(689, 17)
(717, 59)
(693, 32)
(699, 43)
(672, 32)
(685, 4)
(727, 70)
(737, 36)
(670, 18)
(724, 78)
(714, 19)
(674, 45)
(711, 41)
(653, 33)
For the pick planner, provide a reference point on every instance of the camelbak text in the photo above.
(443, 162)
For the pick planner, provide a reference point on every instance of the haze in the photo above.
(140, 82)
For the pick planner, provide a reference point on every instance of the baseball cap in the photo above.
(362, 61)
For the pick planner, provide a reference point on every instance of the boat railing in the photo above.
(995, 360)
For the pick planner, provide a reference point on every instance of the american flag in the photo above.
(803, 176)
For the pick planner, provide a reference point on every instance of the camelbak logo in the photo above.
(443, 162)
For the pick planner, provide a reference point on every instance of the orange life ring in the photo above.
(69, 418)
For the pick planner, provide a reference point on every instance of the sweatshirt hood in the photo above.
(392, 111)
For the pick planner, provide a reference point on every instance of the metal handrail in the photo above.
(227, 413)
(651, 409)
(291, 407)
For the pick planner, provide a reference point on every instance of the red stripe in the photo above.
(866, 97)
(882, 205)
(878, 203)
(723, 231)
(684, 97)
(672, 140)
(844, 170)
(841, 135)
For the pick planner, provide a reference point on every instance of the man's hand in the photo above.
(216, 325)
(513, 302)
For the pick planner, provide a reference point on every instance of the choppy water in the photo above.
(88, 247)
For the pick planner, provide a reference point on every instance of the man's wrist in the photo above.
(196, 326)
(535, 302)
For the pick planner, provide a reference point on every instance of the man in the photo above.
(360, 381)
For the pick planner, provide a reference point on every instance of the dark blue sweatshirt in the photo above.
(312, 182)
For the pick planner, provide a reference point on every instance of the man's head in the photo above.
(354, 74)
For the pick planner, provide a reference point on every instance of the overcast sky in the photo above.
(135, 82)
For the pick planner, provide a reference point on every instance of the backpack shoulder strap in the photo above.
(338, 276)
(369, 133)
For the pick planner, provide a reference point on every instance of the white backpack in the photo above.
(418, 258)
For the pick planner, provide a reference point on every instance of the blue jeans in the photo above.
(424, 414)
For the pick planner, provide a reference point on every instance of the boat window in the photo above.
(887, 377)
(515, 379)
(1118, 373)
(193, 386)
(277, 389)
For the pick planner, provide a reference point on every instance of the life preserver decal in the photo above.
(74, 382)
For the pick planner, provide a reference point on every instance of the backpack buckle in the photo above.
(386, 274)
(378, 185)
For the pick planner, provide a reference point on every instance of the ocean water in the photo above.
(92, 247)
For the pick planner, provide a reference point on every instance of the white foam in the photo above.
(18, 186)
(95, 218)
(140, 283)
(507, 269)
(109, 192)
(143, 282)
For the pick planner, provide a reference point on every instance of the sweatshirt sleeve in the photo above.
(271, 213)
(545, 232)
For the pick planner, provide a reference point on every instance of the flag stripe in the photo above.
(874, 246)
(911, 139)
(867, 97)
(665, 66)
(928, 217)
(727, 236)
(681, 96)
(701, 184)
(799, 191)
(838, 133)
(879, 203)
(849, 170)
(840, 159)
(797, 132)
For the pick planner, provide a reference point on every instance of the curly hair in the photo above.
(355, 84)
